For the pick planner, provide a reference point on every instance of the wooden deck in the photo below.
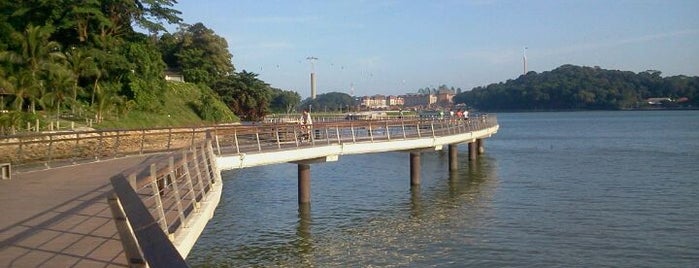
(60, 217)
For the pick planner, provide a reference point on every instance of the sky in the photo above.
(367, 47)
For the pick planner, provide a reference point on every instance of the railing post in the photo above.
(218, 144)
(169, 138)
(99, 145)
(75, 147)
(337, 133)
(235, 137)
(158, 201)
(388, 131)
(296, 137)
(188, 178)
(212, 162)
(176, 191)
(417, 125)
(205, 160)
(143, 140)
(194, 130)
(197, 170)
(20, 151)
(279, 143)
(402, 124)
(327, 135)
(354, 139)
(116, 145)
(49, 153)
(371, 134)
(432, 126)
(257, 136)
(132, 250)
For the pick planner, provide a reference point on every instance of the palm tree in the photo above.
(61, 82)
(81, 64)
(36, 56)
(107, 99)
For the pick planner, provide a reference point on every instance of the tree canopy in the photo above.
(332, 101)
(577, 87)
(101, 59)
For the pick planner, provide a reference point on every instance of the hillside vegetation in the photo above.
(104, 62)
(571, 87)
(184, 104)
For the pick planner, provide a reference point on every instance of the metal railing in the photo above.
(64, 148)
(153, 204)
(286, 136)
(44, 150)
(52, 149)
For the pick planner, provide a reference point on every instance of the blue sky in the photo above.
(395, 47)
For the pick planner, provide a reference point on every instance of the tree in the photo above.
(81, 65)
(284, 101)
(247, 96)
(577, 87)
(202, 55)
(61, 83)
(145, 81)
(37, 57)
(333, 101)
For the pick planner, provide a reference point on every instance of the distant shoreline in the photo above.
(585, 110)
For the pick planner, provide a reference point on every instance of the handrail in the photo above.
(287, 136)
(155, 202)
(64, 148)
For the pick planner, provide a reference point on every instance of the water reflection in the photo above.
(304, 240)
(415, 202)
(368, 220)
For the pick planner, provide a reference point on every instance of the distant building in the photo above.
(658, 101)
(419, 100)
(374, 102)
(173, 75)
(395, 101)
(445, 98)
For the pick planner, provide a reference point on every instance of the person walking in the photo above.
(306, 123)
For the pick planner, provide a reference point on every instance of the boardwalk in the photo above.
(60, 217)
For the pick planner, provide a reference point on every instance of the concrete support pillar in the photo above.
(304, 183)
(472, 149)
(481, 145)
(453, 153)
(414, 168)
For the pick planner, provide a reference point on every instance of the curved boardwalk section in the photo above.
(148, 210)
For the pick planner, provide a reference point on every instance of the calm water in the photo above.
(583, 189)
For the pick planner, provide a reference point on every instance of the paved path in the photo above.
(60, 217)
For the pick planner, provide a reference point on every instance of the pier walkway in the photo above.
(60, 217)
(149, 194)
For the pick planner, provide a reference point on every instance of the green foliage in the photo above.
(284, 101)
(245, 95)
(183, 106)
(200, 54)
(211, 109)
(16, 120)
(83, 60)
(575, 87)
(332, 101)
(146, 85)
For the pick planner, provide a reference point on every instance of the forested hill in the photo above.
(571, 87)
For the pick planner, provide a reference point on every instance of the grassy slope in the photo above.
(179, 110)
